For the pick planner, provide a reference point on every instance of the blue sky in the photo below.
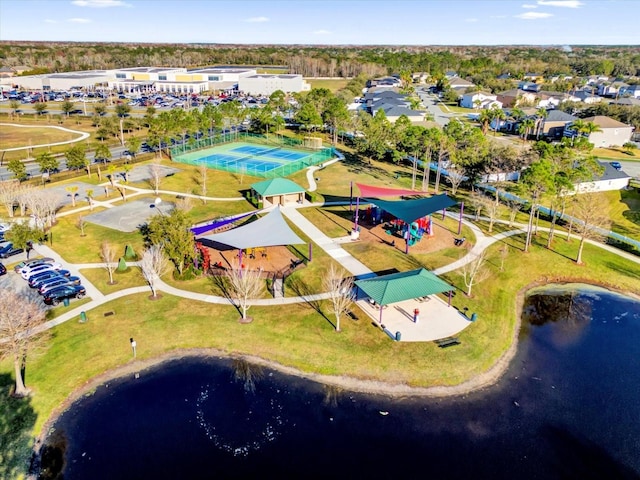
(357, 22)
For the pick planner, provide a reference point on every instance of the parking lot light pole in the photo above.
(133, 346)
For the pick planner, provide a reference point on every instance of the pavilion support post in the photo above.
(444, 212)
(380, 314)
(449, 298)
(355, 221)
(310, 251)
(460, 220)
(351, 197)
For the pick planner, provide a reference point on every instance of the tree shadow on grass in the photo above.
(17, 419)
(301, 289)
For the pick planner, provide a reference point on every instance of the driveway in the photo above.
(629, 167)
(431, 104)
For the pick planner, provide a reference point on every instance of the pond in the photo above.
(566, 408)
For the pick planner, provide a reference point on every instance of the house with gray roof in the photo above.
(611, 179)
(631, 91)
(554, 124)
(612, 132)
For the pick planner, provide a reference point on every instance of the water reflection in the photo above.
(566, 408)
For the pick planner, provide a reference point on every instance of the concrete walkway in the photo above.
(437, 319)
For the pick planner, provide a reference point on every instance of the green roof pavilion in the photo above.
(278, 191)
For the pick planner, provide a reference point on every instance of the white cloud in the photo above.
(257, 19)
(470, 20)
(100, 3)
(534, 15)
(561, 3)
(528, 5)
(78, 20)
(322, 32)
(48, 20)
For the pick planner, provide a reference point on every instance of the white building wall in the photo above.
(267, 84)
(611, 137)
(603, 185)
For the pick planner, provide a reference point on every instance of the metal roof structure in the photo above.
(397, 287)
(276, 186)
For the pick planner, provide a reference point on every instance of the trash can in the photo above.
(65, 302)
(474, 317)
(83, 317)
(398, 336)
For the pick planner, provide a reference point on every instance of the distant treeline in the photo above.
(330, 61)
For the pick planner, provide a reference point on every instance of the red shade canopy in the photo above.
(371, 191)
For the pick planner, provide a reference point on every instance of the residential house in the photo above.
(459, 85)
(514, 97)
(610, 89)
(587, 97)
(479, 100)
(389, 82)
(393, 113)
(630, 91)
(529, 86)
(614, 133)
(504, 76)
(548, 99)
(611, 179)
(628, 101)
(595, 79)
(554, 124)
(20, 69)
(449, 74)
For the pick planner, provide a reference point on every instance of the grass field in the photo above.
(13, 137)
(617, 154)
(330, 84)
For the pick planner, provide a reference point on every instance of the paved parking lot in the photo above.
(129, 216)
(64, 195)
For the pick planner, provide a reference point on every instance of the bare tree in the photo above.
(593, 219)
(184, 204)
(20, 316)
(455, 176)
(157, 173)
(110, 258)
(153, 265)
(203, 170)
(9, 191)
(514, 207)
(504, 253)
(492, 208)
(341, 290)
(244, 285)
(80, 223)
(475, 271)
(89, 193)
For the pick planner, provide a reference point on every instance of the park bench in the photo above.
(447, 342)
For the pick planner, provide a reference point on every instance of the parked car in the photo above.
(53, 283)
(33, 261)
(3, 269)
(55, 296)
(29, 270)
(8, 251)
(39, 278)
(616, 165)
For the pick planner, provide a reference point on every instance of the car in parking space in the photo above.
(29, 270)
(616, 165)
(3, 269)
(9, 251)
(39, 278)
(33, 261)
(37, 271)
(55, 296)
(53, 283)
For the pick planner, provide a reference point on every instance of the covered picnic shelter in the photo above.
(278, 191)
(408, 292)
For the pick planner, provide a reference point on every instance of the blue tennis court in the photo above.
(258, 160)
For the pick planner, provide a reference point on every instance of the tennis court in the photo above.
(257, 160)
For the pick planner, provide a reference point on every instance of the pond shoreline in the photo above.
(372, 387)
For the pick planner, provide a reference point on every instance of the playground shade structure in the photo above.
(397, 287)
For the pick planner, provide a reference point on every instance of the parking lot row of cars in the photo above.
(50, 280)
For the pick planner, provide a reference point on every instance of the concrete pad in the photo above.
(81, 195)
(140, 173)
(436, 319)
(129, 216)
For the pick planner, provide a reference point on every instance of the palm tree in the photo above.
(497, 115)
(541, 115)
(485, 118)
(526, 126)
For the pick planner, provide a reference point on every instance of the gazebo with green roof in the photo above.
(278, 191)
(397, 287)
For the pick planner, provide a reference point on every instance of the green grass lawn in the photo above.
(11, 137)
(303, 338)
(99, 277)
(616, 154)
(331, 84)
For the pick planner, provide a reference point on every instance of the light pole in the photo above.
(133, 346)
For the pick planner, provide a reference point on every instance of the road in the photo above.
(431, 104)
(629, 167)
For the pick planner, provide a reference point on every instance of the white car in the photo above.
(29, 270)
